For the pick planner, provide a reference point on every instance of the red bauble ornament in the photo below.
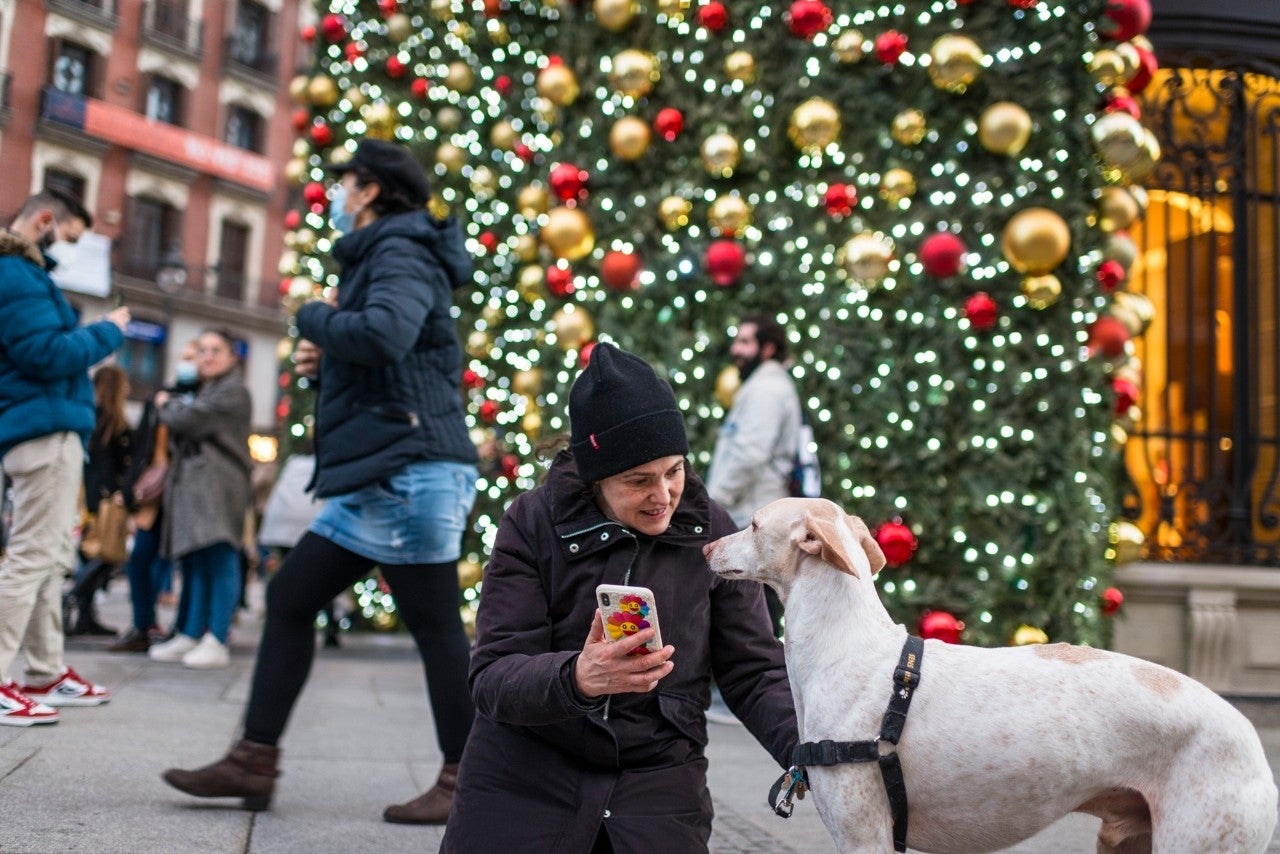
(559, 280)
(619, 270)
(1108, 335)
(502, 84)
(807, 18)
(1023, 4)
(942, 254)
(321, 134)
(981, 311)
(396, 67)
(1121, 101)
(725, 260)
(489, 241)
(470, 379)
(510, 462)
(420, 87)
(388, 7)
(489, 411)
(714, 16)
(1112, 599)
(568, 182)
(292, 219)
(492, 8)
(1128, 18)
(354, 50)
(314, 194)
(1126, 392)
(840, 199)
(308, 33)
(333, 28)
(524, 152)
(282, 409)
(896, 541)
(668, 123)
(890, 46)
(939, 625)
(584, 353)
(1109, 275)
(285, 285)
(1145, 71)
(300, 118)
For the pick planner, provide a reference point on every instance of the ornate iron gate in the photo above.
(1202, 459)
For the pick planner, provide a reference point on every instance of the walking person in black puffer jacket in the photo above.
(394, 460)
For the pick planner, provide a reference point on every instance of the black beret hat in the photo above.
(392, 166)
(622, 415)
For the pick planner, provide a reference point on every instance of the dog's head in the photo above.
(786, 534)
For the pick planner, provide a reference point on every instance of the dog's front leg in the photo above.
(852, 804)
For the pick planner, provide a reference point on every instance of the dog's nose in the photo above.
(708, 549)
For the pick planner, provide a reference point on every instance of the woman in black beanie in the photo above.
(578, 746)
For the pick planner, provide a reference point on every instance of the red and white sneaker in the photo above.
(17, 709)
(69, 689)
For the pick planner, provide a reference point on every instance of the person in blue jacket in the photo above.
(46, 417)
(393, 458)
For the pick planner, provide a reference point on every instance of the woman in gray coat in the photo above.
(206, 496)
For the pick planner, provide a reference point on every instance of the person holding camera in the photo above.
(615, 741)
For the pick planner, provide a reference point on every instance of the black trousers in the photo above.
(316, 571)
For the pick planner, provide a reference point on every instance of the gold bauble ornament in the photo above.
(438, 207)
(1119, 138)
(729, 215)
(1004, 128)
(1120, 247)
(740, 65)
(533, 201)
(301, 148)
(383, 621)
(448, 119)
(1041, 291)
(451, 157)
(503, 136)
(568, 233)
(527, 382)
(498, 32)
(322, 91)
(492, 315)
(469, 574)
(526, 248)
(614, 15)
(867, 257)
(1117, 209)
(288, 263)
(573, 327)
(629, 138)
(460, 77)
(484, 182)
(1108, 68)
(728, 381)
(442, 10)
(1036, 240)
(531, 424)
(399, 27)
(956, 61)
(674, 9)
(530, 283)
(1127, 540)
(815, 124)
(479, 344)
(1134, 310)
(634, 73)
(673, 212)
(295, 171)
(1144, 163)
(1026, 635)
(380, 120)
(339, 156)
(720, 154)
(896, 185)
(849, 46)
(305, 240)
(299, 88)
(558, 84)
(284, 348)
(909, 127)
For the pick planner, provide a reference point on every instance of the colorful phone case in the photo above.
(627, 610)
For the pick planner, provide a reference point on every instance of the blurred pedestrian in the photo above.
(46, 417)
(206, 495)
(393, 458)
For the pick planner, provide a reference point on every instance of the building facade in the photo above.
(169, 119)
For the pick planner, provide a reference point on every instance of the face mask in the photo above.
(186, 373)
(63, 252)
(338, 216)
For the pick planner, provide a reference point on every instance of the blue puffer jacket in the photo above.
(44, 358)
(392, 365)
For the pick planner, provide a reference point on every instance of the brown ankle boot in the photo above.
(431, 807)
(248, 771)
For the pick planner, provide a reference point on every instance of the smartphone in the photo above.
(627, 610)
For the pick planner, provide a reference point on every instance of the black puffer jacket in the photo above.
(389, 379)
(544, 767)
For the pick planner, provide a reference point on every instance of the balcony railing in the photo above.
(101, 13)
(252, 60)
(166, 24)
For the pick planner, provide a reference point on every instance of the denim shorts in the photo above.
(416, 515)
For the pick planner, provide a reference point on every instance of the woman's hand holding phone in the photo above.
(608, 667)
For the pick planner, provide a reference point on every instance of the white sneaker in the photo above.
(209, 654)
(173, 649)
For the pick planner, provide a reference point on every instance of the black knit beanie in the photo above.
(622, 415)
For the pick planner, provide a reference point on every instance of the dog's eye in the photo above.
(754, 526)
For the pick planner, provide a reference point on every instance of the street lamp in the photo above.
(171, 272)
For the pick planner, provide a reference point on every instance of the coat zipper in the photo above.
(626, 578)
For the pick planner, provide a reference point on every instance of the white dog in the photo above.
(999, 743)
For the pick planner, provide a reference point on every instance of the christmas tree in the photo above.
(928, 194)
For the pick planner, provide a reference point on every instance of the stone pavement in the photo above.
(360, 738)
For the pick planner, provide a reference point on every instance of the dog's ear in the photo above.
(820, 536)
(869, 544)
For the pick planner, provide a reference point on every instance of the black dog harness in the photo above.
(906, 678)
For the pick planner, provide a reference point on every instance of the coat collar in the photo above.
(583, 529)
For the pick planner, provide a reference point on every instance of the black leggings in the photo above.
(316, 571)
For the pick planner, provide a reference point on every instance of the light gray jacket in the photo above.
(756, 448)
(207, 491)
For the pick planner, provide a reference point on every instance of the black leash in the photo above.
(906, 678)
